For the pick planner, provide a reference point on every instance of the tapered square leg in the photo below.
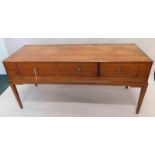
(141, 97)
(14, 89)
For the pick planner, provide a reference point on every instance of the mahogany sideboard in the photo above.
(92, 64)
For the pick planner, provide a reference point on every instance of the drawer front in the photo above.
(36, 69)
(76, 69)
(125, 70)
(11, 69)
(57, 69)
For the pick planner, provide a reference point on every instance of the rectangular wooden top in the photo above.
(80, 53)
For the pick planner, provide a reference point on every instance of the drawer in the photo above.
(39, 69)
(76, 69)
(57, 69)
(125, 70)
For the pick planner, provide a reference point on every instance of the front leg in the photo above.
(141, 97)
(14, 89)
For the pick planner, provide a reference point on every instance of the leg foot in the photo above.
(36, 84)
(14, 89)
(141, 97)
(126, 87)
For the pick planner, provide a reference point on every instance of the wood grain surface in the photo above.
(80, 53)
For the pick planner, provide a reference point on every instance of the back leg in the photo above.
(126, 87)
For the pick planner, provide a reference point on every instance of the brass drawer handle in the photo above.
(79, 69)
(35, 73)
(118, 69)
